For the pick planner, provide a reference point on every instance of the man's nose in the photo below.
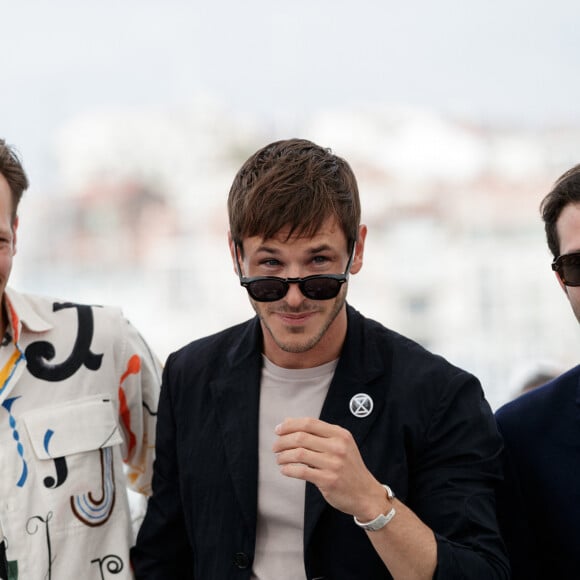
(294, 295)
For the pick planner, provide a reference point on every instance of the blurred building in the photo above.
(455, 257)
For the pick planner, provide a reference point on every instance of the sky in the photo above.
(499, 61)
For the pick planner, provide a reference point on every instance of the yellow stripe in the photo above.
(8, 368)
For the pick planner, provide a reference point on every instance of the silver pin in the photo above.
(361, 405)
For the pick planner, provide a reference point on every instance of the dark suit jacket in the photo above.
(539, 504)
(431, 437)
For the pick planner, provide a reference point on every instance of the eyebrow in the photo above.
(315, 250)
(321, 248)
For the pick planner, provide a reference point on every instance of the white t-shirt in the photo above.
(279, 537)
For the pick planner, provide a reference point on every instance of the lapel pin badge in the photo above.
(361, 405)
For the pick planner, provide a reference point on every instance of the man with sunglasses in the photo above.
(539, 502)
(311, 442)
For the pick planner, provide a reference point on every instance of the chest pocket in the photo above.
(73, 444)
(77, 436)
(73, 427)
(74, 447)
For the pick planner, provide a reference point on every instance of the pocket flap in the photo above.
(73, 427)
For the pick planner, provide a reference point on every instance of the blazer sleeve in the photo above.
(162, 550)
(456, 478)
(523, 546)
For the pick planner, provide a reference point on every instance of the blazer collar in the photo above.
(576, 370)
(236, 398)
(359, 368)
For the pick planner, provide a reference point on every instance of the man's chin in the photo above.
(295, 347)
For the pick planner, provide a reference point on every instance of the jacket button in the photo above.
(241, 560)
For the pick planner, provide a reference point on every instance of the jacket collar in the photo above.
(236, 399)
(358, 369)
(576, 371)
(237, 395)
(21, 312)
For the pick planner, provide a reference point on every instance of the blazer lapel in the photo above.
(236, 400)
(356, 373)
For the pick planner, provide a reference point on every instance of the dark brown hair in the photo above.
(12, 170)
(296, 184)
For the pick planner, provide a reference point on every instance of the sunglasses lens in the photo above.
(267, 290)
(570, 269)
(321, 288)
(315, 288)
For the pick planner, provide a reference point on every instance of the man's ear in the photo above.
(357, 261)
(14, 230)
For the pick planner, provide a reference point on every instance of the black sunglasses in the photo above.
(316, 287)
(568, 268)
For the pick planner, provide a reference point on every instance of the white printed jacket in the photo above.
(78, 400)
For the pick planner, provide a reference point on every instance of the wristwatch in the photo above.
(382, 519)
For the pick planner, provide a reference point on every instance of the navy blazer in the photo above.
(539, 503)
(431, 436)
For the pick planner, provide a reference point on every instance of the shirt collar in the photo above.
(21, 312)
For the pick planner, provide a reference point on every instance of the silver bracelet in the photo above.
(382, 519)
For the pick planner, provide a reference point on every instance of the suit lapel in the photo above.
(356, 373)
(236, 399)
